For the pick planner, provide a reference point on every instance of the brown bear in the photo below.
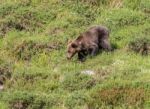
(89, 42)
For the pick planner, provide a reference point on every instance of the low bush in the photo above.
(140, 45)
(132, 97)
(28, 100)
(143, 5)
(77, 98)
(78, 81)
(23, 17)
(27, 49)
(5, 72)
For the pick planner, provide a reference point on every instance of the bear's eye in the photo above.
(69, 51)
(74, 45)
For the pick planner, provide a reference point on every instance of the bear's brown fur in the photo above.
(89, 42)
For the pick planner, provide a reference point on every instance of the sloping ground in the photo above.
(34, 72)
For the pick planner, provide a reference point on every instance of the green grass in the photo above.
(36, 76)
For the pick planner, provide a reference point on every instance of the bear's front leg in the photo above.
(81, 56)
(105, 44)
(94, 50)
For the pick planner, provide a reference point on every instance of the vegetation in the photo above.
(34, 70)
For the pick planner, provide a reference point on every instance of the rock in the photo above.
(1, 87)
(88, 72)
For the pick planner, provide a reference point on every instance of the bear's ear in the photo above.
(74, 45)
(69, 41)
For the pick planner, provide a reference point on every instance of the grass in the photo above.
(33, 65)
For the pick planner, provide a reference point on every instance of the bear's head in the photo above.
(73, 48)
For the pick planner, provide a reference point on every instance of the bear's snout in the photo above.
(69, 56)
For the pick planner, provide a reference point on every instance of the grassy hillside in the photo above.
(33, 66)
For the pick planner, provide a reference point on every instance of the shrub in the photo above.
(95, 2)
(77, 81)
(85, 15)
(140, 45)
(19, 100)
(46, 101)
(132, 4)
(5, 72)
(85, 11)
(27, 49)
(77, 98)
(129, 97)
(7, 9)
(30, 100)
(22, 16)
(143, 5)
